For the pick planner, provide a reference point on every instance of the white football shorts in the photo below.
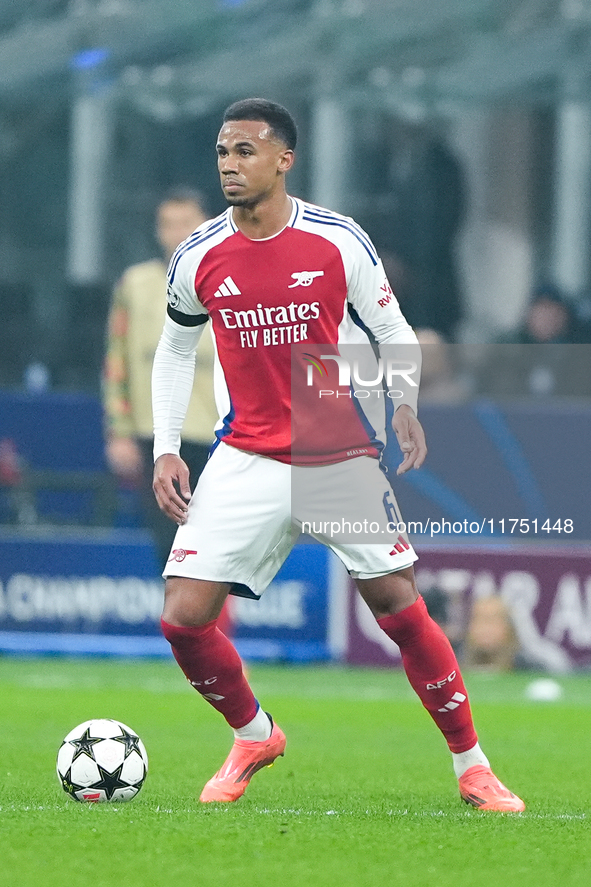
(247, 512)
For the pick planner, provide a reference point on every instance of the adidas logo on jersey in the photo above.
(227, 288)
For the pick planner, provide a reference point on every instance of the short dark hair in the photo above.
(276, 116)
(184, 194)
(550, 291)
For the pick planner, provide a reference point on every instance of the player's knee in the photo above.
(192, 602)
(389, 594)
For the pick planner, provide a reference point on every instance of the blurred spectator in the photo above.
(549, 318)
(491, 641)
(545, 356)
(584, 318)
(135, 324)
(427, 202)
(441, 381)
(17, 503)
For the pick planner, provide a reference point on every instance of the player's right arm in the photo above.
(172, 382)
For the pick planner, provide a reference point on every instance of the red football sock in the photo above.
(433, 671)
(212, 665)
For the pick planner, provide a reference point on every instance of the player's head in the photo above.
(549, 316)
(277, 118)
(180, 211)
(255, 149)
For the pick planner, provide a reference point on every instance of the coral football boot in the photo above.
(480, 787)
(245, 759)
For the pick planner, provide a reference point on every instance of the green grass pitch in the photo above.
(364, 796)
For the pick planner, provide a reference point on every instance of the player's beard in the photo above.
(235, 200)
(248, 201)
(242, 200)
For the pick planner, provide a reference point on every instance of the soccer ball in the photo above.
(102, 760)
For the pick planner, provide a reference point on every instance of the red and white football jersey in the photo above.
(271, 302)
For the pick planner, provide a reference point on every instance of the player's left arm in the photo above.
(372, 297)
(411, 438)
(172, 382)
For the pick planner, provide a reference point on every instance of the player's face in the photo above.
(175, 222)
(251, 162)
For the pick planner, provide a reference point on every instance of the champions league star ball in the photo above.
(102, 760)
(544, 690)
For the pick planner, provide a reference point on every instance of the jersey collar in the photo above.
(295, 211)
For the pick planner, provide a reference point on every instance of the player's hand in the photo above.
(171, 487)
(411, 438)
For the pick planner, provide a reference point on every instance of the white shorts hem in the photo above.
(354, 574)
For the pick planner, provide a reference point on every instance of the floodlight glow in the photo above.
(90, 58)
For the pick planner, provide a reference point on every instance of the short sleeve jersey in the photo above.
(318, 282)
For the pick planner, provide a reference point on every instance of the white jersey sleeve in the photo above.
(371, 297)
(172, 382)
(183, 305)
(174, 362)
